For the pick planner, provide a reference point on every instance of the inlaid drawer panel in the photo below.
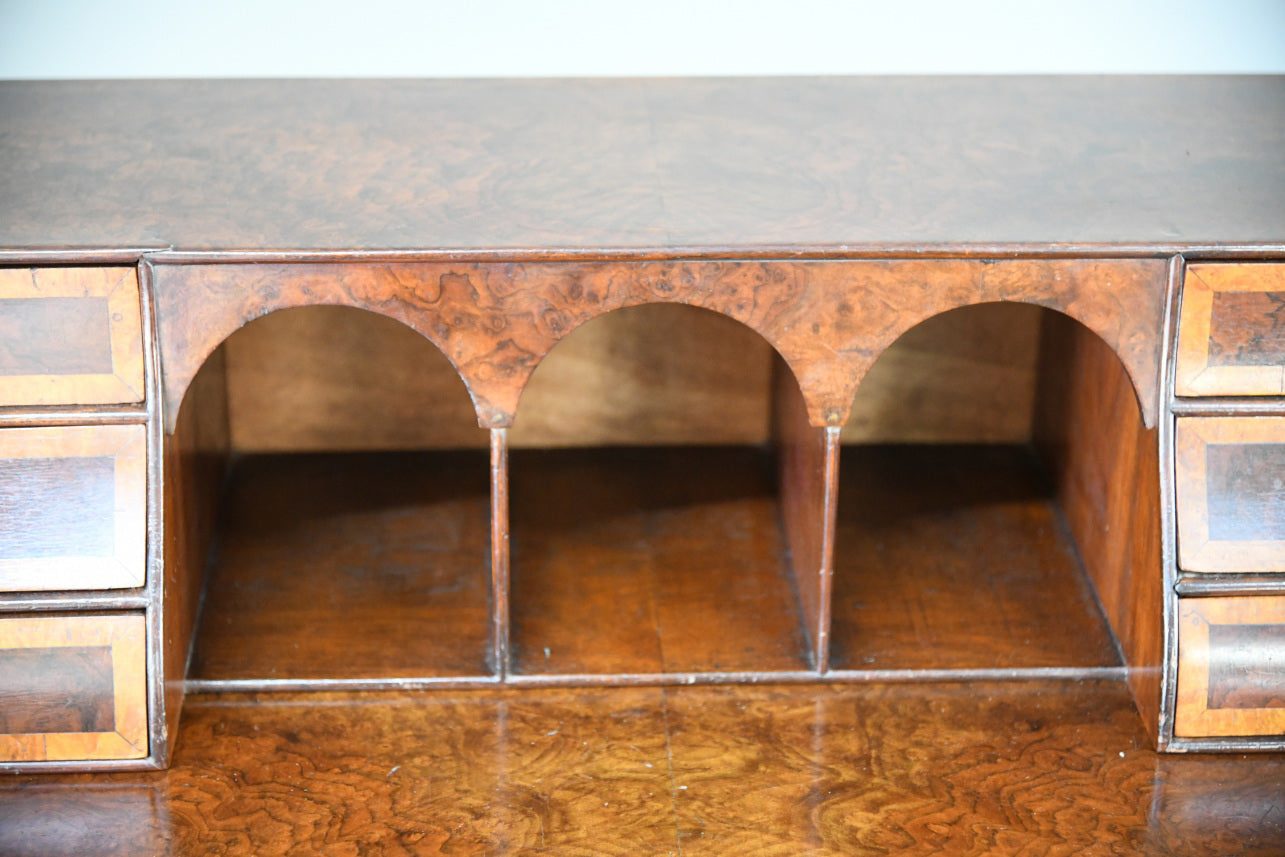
(73, 688)
(1231, 494)
(1231, 336)
(73, 507)
(70, 336)
(1231, 667)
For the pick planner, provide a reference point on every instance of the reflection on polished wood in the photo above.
(1029, 768)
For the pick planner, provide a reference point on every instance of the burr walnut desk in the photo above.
(1142, 222)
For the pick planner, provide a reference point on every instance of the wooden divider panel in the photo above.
(74, 688)
(74, 502)
(1105, 466)
(70, 336)
(809, 469)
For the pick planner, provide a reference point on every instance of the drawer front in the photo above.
(1231, 335)
(73, 507)
(74, 688)
(70, 336)
(1231, 494)
(1231, 667)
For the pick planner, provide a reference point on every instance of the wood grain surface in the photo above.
(193, 470)
(321, 378)
(56, 689)
(965, 376)
(501, 553)
(75, 507)
(68, 648)
(1231, 340)
(808, 466)
(957, 557)
(1231, 667)
(372, 565)
(1230, 496)
(496, 322)
(568, 165)
(650, 561)
(966, 769)
(70, 336)
(1104, 465)
(327, 378)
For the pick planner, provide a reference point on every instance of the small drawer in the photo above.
(1231, 667)
(1231, 334)
(1231, 493)
(74, 688)
(73, 507)
(70, 336)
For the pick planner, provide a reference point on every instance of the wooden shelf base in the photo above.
(349, 566)
(650, 560)
(957, 557)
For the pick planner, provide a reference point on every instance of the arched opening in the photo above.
(997, 507)
(352, 538)
(647, 534)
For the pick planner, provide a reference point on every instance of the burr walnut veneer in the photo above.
(785, 380)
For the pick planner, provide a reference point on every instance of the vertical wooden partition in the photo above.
(809, 480)
(1105, 465)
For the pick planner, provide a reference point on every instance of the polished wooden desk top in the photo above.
(825, 166)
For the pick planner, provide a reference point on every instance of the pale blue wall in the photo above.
(164, 38)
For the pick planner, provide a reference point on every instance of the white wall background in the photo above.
(451, 38)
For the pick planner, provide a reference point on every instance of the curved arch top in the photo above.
(829, 320)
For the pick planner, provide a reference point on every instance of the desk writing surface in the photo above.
(834, 164)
